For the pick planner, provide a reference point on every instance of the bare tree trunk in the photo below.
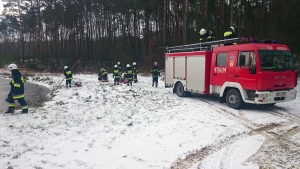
(165, 23)
(185, 22)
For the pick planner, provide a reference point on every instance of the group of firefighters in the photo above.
(130, 74)
(207, 35)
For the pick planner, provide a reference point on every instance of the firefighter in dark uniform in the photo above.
(68, 75)
(116, 75)
(135, 72)
(16, 90)
(230, 33)
(103, 75)
(155, 73)
(129, 75)
(206, 35)
(120, 68)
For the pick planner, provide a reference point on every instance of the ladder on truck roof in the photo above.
(202, 46)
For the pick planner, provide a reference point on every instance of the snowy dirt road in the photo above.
(106, 126)
(271, 135)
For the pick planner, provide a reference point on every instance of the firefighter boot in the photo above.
(24, 111)
(10, 110)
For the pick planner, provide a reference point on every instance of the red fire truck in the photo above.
(257, 72)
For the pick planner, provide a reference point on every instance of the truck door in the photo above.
(244, 73)
(219, 69)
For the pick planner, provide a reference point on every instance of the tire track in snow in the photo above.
(254, 128)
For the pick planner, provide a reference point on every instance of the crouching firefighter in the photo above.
(155, 73)
(116, 75)
(135, 72)
(16, 90)
(102, 76)
(68, 75)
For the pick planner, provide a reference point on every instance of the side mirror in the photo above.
(252, 67)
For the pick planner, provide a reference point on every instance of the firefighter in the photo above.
(155, 73)
(206, 35)
(135, 72)
(129, 75)
(120, 67)
(16, 90)
(68, 75)
(229, 34)
(102, 75)
(116, 75)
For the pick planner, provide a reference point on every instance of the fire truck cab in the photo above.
(255, 73)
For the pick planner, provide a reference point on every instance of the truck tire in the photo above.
(234, 99)
(180, 90)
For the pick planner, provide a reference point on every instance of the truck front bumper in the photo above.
(267, 97)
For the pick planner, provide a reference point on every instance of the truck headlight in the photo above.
(262, 95)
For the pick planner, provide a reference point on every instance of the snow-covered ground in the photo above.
(101, 125)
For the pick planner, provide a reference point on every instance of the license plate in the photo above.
(281, 94)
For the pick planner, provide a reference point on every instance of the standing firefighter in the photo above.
(206, 35)
(116, 75)
(155, 73)
(129, 75)
(120, 67)
(16, 90)
(135, 72)
(68, 75)
(103, 75)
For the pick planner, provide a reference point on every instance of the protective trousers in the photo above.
(116, 81)
(154, 81)
(68, 83)
(20, 100)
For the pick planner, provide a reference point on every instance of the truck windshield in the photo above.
(276, 60)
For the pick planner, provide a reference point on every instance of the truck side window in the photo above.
(243, 59)
(221, 59)
(246, 59)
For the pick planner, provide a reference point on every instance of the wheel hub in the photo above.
(232, 99)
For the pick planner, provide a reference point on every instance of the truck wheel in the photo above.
(234, 99)
(180, 90)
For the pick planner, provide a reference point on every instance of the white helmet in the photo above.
(232, 28)
(133, 63)
(116, 66)
(12, 66)
(119, 63)
(155, 63)
(127, 65)
(202, 31)
(66, 67)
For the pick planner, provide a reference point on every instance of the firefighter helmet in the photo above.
(116, 66)
(12, 66)
(133, 63)
(202, 31)
(65, 67)
(155, 63)
(119, 63)
(127, 65)
(232, 28)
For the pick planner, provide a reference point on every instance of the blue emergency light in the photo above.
(255, 40)
(275, 41)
